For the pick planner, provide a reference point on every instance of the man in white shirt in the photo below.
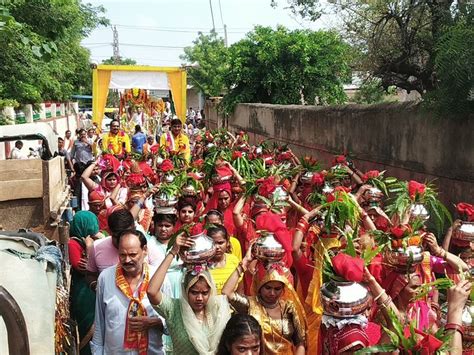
(125, 321)
(16, 152)
(68, 141)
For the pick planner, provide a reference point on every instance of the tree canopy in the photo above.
(208, 63)
(272, 66)
(121, 61)
(41, 57)
(413, 45)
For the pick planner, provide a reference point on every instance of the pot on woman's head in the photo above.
(267, 249)
(163, 200)
(344, 299)
(201, 252)
(404, 259)
(464, 232)
(419, 211)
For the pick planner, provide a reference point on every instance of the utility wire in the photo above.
(134, 45)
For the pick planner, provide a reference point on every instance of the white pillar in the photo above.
(28, 110)
(9, 113)
(53, 110)
(62, 108)
(75, 107)
(42, 111)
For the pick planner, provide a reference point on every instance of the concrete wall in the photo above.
(59, 124)
(402, 138)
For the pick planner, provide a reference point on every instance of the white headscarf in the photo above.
(217, 314)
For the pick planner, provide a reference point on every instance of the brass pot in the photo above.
(189, 190)
(168, 178)
(306, 177)
(268, 249)
(163, 200)
(327, 189)
(216, 179)
(419, 211)
(404, 259)
(202, 251)
(344, 299)
(467, 319)
(280, 194)
(465, 232)
(373, 195)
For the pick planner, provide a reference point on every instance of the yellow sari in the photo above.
(279, 334)
(313, 306)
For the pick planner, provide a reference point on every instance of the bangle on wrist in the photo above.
(456, 327)
(379, 295)
(174, 253)
(386, 302)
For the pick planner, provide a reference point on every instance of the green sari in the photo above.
(82, 297)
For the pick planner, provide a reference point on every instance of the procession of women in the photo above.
(203, 243)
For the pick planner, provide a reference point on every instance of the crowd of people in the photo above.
(197, 242)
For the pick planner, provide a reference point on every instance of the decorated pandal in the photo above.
(137, 106)
(359, 250)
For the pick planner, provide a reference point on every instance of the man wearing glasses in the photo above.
(116, 141)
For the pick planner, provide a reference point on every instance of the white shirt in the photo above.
(110, 316)
(17, 154)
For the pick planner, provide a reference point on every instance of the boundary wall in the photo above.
(402, 138)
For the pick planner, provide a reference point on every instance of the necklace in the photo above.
(268, 305)
(269, 319)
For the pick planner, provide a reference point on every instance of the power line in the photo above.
(236, 30)
(135, 45)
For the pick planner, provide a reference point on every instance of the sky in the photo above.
(154, 32)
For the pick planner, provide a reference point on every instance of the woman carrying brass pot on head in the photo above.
(275, 306)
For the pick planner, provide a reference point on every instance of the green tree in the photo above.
(287, 67)
(121, 61)
(454, 66)
(41, 57)
(407, 43)
(208, 63)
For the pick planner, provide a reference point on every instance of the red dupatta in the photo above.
(228, 217)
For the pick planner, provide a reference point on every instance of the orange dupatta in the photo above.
(132, 339)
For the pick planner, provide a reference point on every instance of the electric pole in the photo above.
(212, 15)
(115, 45)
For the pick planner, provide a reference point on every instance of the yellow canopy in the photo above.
(143, 77)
